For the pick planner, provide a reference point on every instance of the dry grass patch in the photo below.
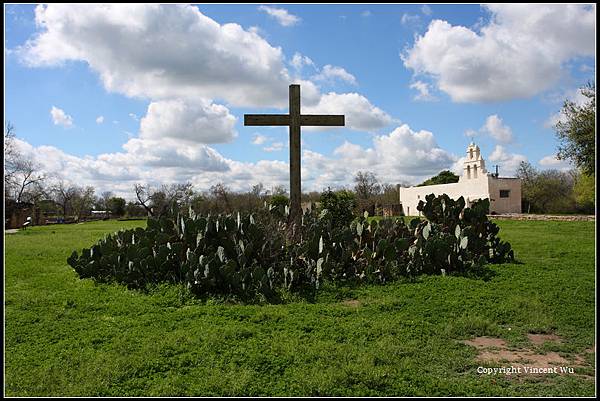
(540, 339)
(355, 303)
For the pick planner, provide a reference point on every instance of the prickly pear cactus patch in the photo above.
(250, 255)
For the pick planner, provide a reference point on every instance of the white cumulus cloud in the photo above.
(575, 96)
(274, 147)
(196, 121)
(497, 129)
(259, 139)
(360, 114)
(518, 54)
(402, 155)
(298, 61)
(200, 65)
(423, 89)
(172, 153)
(507, 162)
(410, 20)
(283, 17)
(197, 57)
(551, 161)
(330, 72)
(59, 117)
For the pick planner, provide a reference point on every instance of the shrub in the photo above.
(251, 255)
(338, 206)
(279, 205)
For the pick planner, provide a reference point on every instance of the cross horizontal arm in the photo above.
(284, 119)
(266, 119)
(322, 120)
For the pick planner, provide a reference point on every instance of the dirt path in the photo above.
(495, 351)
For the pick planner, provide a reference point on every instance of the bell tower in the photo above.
(474, 166)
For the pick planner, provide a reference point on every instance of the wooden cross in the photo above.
(294, 120)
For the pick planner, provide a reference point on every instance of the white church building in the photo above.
(475, 183)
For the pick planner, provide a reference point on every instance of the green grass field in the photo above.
(71, 337)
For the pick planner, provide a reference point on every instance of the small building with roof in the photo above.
(475, 183)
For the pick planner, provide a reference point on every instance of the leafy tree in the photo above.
(576, 131)
(312, 196)
(584, 191)
(547, 191)
(278, 203)
(116, 206)
(198, 202)
(339, 206)
(528, 174)
(134, 210)
(553, 192)
(48, 206)
(279, 200)
(444, 177)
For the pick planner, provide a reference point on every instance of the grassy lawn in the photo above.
(71, 337)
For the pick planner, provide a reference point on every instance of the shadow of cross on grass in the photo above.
(294, 120)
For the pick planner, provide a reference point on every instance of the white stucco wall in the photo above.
(475, 188)
(475, 183)
(471, 189)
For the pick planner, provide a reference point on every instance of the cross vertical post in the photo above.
(295, 178)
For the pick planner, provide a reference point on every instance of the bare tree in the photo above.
(20, 174)
(104, 200)
(221, 194)
(175, 195)
(258, 189)
(142, 193)
(26, 176)
(157, 202)
(179, 193)
(389, 194)
(35, 193)
(63, 196)
(366, 184)
(82, 201)
(11, 154)
(279, 190)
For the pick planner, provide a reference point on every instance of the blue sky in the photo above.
(113, 95)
